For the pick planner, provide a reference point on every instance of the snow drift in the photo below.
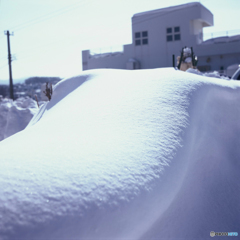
(15, 115)
(116, 154)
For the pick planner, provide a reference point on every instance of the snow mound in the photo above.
(120, 154)
(214, 74)
(15, 115)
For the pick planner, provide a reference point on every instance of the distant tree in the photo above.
(42, 80)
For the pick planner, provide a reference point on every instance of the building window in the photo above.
(137, 42)
(137, 35)
(173, 33)
(144, 34)
(141, 38)
(169, 30)
(169, 38)
(176, 29)
(145, 41)
(177, 37)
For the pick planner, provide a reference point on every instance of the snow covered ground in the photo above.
(118, 154)
(15, 115)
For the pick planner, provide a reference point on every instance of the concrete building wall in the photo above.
(211, 56)
(158, 53)
(116, 60)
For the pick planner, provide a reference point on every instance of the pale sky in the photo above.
(49, 36)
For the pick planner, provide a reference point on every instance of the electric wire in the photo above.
(3, 66)
(71, 41)
(44, 18)
(50, 15)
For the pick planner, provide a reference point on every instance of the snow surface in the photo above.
(15, 115)
(213, 74)
(118, 154)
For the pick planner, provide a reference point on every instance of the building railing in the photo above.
(229, 33)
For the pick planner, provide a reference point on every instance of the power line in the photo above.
(43, 18)
(71, 41)
(3, 58)
(3, 66)
(39, 18)
(41, 46)
(49, 15)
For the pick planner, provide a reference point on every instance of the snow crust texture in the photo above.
(117, 154)
(15, 115)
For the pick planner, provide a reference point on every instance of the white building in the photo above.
(161, 33)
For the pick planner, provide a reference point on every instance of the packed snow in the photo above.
(118, 154)
(213, 74)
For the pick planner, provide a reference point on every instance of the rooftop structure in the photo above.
(161, 33)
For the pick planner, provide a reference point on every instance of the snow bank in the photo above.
(119, 154)
(15, 115)
(213, 74)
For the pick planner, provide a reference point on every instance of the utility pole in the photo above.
(10, 64)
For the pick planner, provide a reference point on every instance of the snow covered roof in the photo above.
(168, 9)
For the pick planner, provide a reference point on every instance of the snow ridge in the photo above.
(125, 155)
